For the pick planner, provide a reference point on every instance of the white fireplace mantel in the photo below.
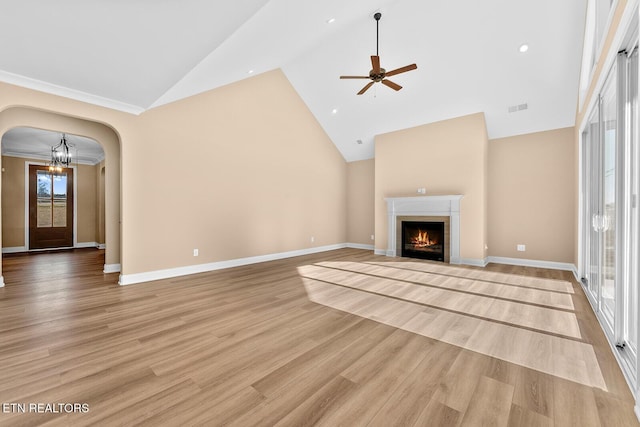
(425, 206)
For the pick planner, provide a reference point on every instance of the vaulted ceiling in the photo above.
(133, 55)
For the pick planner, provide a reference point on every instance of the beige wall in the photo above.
(239, 171)
(531, 196)
(447, 157)
(86, 203)
(360, 202)
(13, 202)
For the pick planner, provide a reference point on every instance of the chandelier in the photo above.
(60, 155)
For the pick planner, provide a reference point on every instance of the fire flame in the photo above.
(422, 239)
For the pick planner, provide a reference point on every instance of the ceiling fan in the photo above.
(377, 73)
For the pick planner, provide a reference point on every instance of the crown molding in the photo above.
(39, 85)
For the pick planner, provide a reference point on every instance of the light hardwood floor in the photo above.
(337, 338)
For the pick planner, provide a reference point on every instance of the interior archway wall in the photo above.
(108, 139)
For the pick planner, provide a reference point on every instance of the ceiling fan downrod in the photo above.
(377, 17)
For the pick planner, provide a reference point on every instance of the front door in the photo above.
(50, 208)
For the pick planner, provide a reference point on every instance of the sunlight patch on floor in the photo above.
(516, 312)
(521, 333)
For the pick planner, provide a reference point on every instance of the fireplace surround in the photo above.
(428, 209)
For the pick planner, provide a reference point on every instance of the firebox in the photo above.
(423, 240)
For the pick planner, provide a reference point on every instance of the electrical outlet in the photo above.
(313, 239)
(373, 237)
(196, 252)
(521, 248)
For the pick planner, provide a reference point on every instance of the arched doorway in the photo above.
(108, 139)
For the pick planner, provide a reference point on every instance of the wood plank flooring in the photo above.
(337, 338)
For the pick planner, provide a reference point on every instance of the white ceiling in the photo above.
(137, 54)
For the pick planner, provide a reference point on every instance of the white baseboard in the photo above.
(382, 252)
(14, 250)
(361, 246)
(87, 245)
(130, 279)
(1, 281)
(111, 268)
(474, 262)
(102, 246)
(551, 265)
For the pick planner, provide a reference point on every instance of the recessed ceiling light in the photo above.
(523, 48)
(334, 111)
(331, 20)
(250, 72)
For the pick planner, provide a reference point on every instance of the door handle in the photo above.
(598, 222)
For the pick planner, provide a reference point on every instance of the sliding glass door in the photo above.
(610, 184)
(599, 199)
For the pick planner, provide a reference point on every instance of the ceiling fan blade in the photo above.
(391, 84)
(401, 70)
(375, 64)
(355, 77)
(364, 89)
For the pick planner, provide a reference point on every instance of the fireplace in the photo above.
(423, 239)
(426, 209)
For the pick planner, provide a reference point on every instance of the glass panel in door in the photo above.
(609, 205)
(44, 204)
(592, 201)
(631, 296)
(60, 200)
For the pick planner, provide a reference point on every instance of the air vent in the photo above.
(519, 107)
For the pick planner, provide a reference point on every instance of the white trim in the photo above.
(130, 279)
(637, 410)
(360, 246)
(111, 268)
(66, 92)
(425, 206)
(551, 265)
(473, 261)
(623, 27)
(587, 71)
(1, 281)
(382, 252)
(14, 249)
(86, 245)
(102, 246)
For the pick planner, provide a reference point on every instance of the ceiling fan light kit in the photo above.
(377, 73)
